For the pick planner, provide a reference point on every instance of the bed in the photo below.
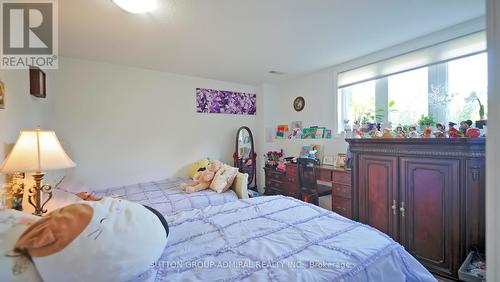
(167, 197)
(278, 239)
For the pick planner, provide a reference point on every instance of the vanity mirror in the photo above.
(244, 156)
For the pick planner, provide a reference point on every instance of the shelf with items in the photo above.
(424, 130)
(295, 131)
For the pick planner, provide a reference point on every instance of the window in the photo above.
(409, 103)
(467, 80)
(448, 91)
(356, 100)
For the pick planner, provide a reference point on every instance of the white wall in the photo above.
(124, 125)
(22, 111)
(318, 91)
(267, 119)
(492, 149)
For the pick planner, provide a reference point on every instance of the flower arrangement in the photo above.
(11, 196)
(273, 158)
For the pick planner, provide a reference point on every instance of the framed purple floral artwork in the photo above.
(225, 102)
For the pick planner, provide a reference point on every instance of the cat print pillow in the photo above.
(106, 240)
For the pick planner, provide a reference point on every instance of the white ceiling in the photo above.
(241, 40)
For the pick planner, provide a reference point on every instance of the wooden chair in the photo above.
(309, 188)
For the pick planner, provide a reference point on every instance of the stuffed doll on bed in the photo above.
(216, 176)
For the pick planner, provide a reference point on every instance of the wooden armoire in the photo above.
(428, 194)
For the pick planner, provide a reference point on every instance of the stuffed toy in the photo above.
(427, 132)
(399, 132)
(441, 131)
(439, 134)
(473, 133)
(387, 133)
(453, 132)
(412, 131)
(106, 240)
(223, 178)
(198, 166)
(375, 133)
(202, 179)
(464, 126)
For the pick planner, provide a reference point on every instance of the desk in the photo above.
(286, 183)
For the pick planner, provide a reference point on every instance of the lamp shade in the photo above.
(36, 151)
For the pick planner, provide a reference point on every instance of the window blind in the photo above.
(455, 48)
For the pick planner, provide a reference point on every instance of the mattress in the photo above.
(279, 239)
(167, 197)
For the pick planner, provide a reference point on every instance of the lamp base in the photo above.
(35, 196)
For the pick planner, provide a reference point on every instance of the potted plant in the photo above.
(366, 119)
(359, 112)
(426, 121)
(482, 121)
(373, 117)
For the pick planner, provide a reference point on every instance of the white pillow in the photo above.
(15, 268)
(223, 178)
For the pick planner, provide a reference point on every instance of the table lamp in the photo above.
(37, 151)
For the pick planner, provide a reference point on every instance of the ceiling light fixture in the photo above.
(137, 6)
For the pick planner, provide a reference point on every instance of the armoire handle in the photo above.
(402, 209)
(394, 207)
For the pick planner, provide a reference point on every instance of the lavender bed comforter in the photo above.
(167, 197)
(279, 239)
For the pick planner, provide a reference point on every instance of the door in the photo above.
(430, 202)
(377, 196)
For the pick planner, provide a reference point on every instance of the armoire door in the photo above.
(377, 198)
(429, 218)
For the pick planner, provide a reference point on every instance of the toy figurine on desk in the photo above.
(464, 126)
(473, 133)
(452, 131)
(375, 133)
(427, 132)
(441, 131)
(387, 133)
(412, 132)
(399, 132)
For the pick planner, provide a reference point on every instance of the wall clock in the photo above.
(299, 103)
